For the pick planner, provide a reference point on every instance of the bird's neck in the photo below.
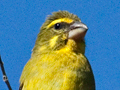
(71, 46)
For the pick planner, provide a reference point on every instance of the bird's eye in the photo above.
(57, 26)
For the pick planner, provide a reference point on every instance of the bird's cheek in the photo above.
(53, 41)
(65, 36)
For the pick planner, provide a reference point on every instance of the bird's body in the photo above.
(58, 61)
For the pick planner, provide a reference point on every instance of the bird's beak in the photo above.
(77, 31)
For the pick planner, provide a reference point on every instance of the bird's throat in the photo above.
(73, 46)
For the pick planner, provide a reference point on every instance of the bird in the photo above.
(58, 60)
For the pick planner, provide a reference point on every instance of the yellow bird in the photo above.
(58, 61)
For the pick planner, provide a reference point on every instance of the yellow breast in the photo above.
(54, 71)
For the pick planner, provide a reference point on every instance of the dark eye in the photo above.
(57, 26)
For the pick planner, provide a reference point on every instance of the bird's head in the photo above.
(61, 30)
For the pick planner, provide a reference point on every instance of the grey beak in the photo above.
(78, 25)
(77, 31)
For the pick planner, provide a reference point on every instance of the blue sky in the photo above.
(20, 21)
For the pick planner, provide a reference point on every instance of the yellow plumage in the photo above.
(58, 61)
